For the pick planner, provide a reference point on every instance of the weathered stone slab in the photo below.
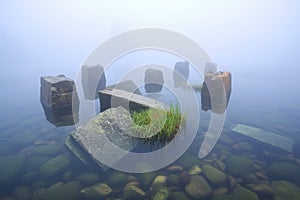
(113, 98)
(181, 74)
(59, 99)
(92, 79)
(215, 92)
(127, 85)
(100, 136)
(58, 91)
(154, 80)
(267, 137)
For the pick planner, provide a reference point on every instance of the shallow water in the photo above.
(250, 169)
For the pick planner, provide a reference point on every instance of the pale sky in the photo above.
(253, 39)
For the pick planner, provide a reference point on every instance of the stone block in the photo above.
(93, 79)
(215, 92)
(181, 74)
(154, 80)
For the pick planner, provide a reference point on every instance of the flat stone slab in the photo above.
(106, 137)
(265, 136)
(113, 98)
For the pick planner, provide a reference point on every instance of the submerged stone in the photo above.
(239, 165)
(179, 196)
(88, 178)
(264, 136)
(160, 193)
(96, 191)
(240, 192)
(284, 190)
(55, 166)
(198, 187)
(284, 171)
(214, 175)
(131, 192)
(116, 179)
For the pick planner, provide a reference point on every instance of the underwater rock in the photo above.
(146, 179)
(198, 187)
(154, 80)
(179, 196)
(284, 190)
(174, 169)
(214, 175)
(187, 161)
(112, 98)
(215, 92)
(264, 136)
(24, 139)
(181, 74)
(239, 165)
(222, 197)
(11, 167)
(131, 192)
(184, 178)
(88, 178)
(222, 190)
(97, 191)
(159, 180)
(34, 162)
(173, 180)
(160, 193)
(127, 85)
(262, 189)
(55, 166)
(57, 191)
(195, 170)
(284, 171)
(240, 192)
(93, 79)
(116, 179)
(250, 178)
(47, 149)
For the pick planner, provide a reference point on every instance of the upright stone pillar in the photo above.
(59, 99)
(154, 80)
(215, 92)
(92, 79)
(181, 73)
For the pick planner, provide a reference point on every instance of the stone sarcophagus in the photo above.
(215, 92)
(154, 80)
(59, 99)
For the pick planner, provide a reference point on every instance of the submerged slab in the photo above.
(265, 136)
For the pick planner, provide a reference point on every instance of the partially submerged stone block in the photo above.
(103, 135)
(215, 92)
(127, 85)
(181, 74)
(59, 99)
(93, 79)
(111, 98)
(264, 136)
(154, 80)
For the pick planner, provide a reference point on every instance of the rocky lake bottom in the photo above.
(35, 164)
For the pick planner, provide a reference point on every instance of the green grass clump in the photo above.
(157, 125)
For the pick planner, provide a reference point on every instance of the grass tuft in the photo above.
(157, 125)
